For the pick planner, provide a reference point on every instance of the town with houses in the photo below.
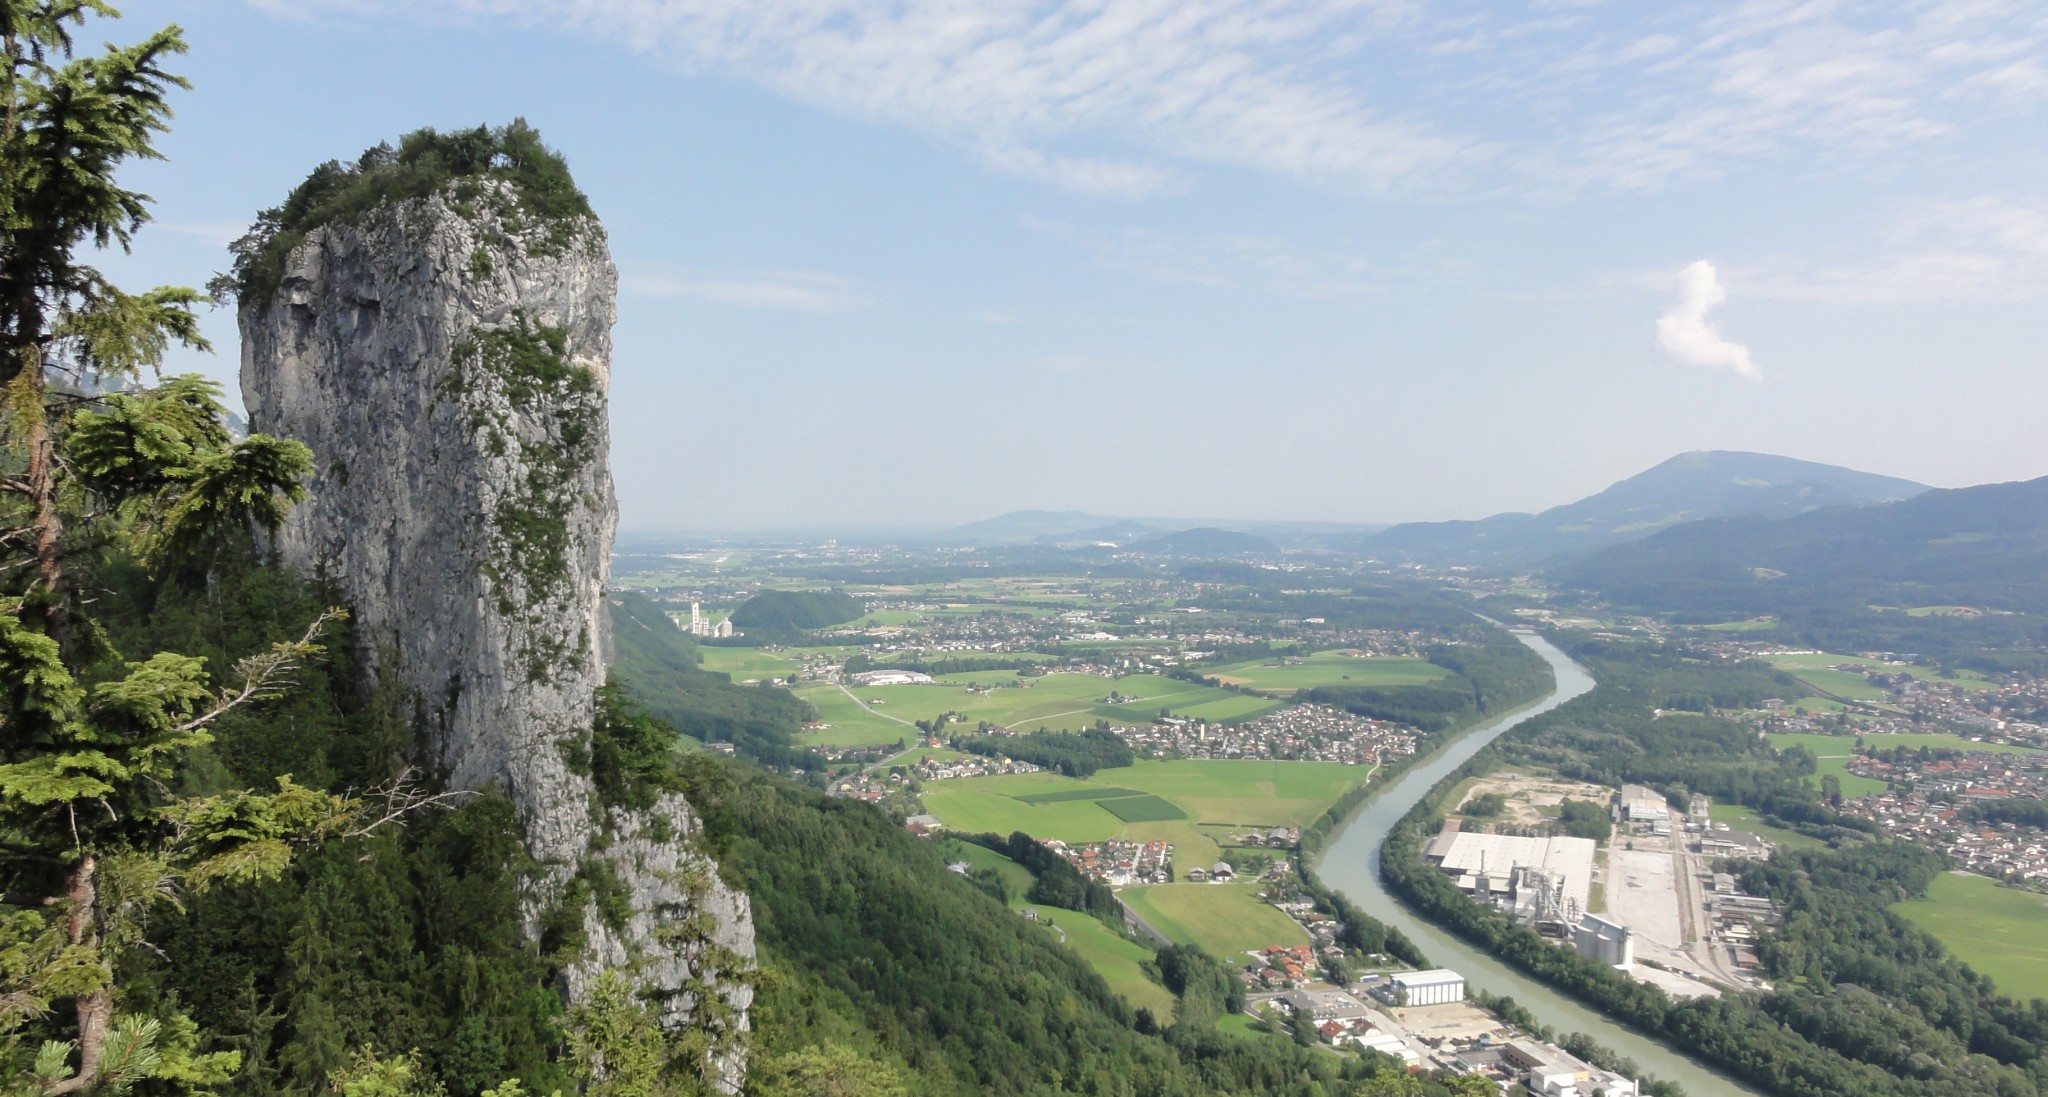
(1305, 732)
(1934, 795)
(1657, 901)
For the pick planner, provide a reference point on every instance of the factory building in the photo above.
(1604, 941)
(1427, 988)
(1541, 881)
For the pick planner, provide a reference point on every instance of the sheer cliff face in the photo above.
(448, 368)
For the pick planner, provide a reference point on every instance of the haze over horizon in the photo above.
(918, 265)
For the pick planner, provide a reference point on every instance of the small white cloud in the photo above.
(1684, 333)
(801, 291)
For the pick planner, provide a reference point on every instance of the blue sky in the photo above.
(921, 262)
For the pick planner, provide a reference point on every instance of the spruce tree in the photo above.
(93, 837)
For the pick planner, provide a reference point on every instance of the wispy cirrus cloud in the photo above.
(1986, 248)
(1221, 260)
(1125, 97)
(799, 291)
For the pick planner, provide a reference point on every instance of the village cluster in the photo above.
(1120, 862)
(2005, 851)
(1930, 790)
(1297, 733)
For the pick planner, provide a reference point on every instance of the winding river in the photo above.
(1350, 863)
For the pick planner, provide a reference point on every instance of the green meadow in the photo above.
(1741, 818)
(1227, 919)
(1115, 957)
(851, 725)
(1056, 702)
(1326, 668)
(1752, 625)
(1816, 670)
(1213, 798)
(1999, 931)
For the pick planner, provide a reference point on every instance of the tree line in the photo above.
(1070, 753)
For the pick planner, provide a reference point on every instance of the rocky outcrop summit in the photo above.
(446, 358)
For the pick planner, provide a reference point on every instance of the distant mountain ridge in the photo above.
(1073, 529)
(1983, 547)
(1206, 543)
(1690, 487)
(1025, 526)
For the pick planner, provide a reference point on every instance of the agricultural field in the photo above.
(1057, 702)
(745, 663)
(1741, 818)
(1847, 685)
(996, 805)
(1999, 931)
(1227, 919)
(850, 724)
(1815, 670)
(976, 609)
(1015, 877)
(1326, 668)
(1212, 798)
(1834, 751)
(1113, 956)
(1755, 624)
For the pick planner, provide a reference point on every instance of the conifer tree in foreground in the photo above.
(92, 460)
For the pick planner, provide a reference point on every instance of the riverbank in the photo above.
(1349, 864)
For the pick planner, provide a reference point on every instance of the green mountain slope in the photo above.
(1689, 487)
(1984, 548)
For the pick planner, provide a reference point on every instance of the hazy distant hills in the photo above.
(1985, 548)
(1212, 539)
(1024, 527)
(1206, 543)
(1691, 487)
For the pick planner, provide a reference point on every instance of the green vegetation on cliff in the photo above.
(425, 162)
(555, 422)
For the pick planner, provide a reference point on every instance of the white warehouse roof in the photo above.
(1435, 977)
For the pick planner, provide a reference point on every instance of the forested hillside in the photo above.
(658, 662)
(1846, 575)
(780, 612)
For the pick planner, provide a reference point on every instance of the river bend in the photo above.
(1350, 863)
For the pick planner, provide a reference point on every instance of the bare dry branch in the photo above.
(396, 799)
(267, 674)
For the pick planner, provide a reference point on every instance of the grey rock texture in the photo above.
(448, 368)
